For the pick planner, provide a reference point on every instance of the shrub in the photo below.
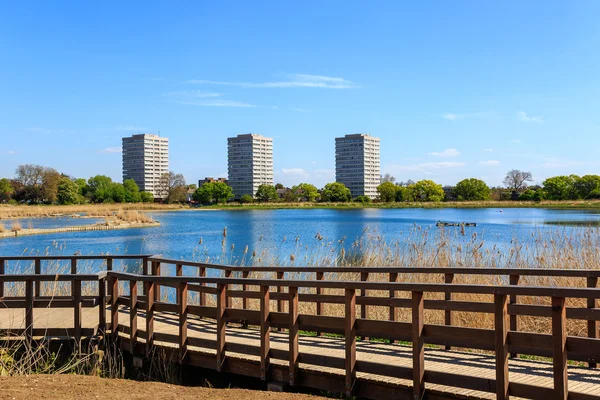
(245, 199)
(363, 199)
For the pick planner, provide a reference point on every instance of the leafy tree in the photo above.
(132, 191)
(517, 180)
(539, 195)
(213, 192)
(472, 189)
(363, 199)
(118, 193)
(387, 191)
(427, 190)
(6, 190)
(146, 197)
(30, 174)
(561, 187)
(38, 183)
(279, 186)
(49, 188)
(68, 192)
(246, 199)
(527, 195)
(266, 193)
(586, 185)
(100, 189)
(405, 193)
(172, 188)
(82, 186)
(335, 192)
(305, 190)
(192, 186)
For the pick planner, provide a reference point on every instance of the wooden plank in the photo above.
(76, 288)
(114, 307)
(279, 290)
(502, 322)
(265, 333)
(149, 317)
(364, 309)
(514, 322)
(155, 271)
(183, 320)
(102, 306)
(38, 271)
(2, 272)
(73, 266)
(418, 346)
(592, 326)
(133, 313)
(293, 334)
(448, 279)
(320, 305)
(221, 326)
(350, 335)
(109, 267)
(228, 299)
(29, 310)
(178, 272)
(202, 274)
(559, 339)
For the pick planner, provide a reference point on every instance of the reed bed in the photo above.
(89, 210)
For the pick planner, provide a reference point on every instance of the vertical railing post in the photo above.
(29, 310)
(418, 345)
(102, 305)
(265, 333)
(592, 325)
(76, 293)
(559, 353)
(202, 274)
(178, 272)
(245, 275)
(279, 289)
(38, 271)
(182, 289)
(114, 307)
(221, 326)
(73, 266)
(364, 310)
(448, 279)
(109, 267)
(350, 334)
(155, 271)
(501, 345)
(393, 278)
(227, 298)
(514, 322)
(2, 272)
(293, 334)
(319, 304)
(133, 312)
(149, 317)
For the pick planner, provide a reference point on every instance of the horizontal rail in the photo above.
(78, 257)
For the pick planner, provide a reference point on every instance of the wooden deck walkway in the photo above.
(582, 380)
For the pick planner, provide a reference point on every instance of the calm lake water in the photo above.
(199, 235)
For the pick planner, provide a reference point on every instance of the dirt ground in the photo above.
(50, 387)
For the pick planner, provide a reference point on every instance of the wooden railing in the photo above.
(503, 339)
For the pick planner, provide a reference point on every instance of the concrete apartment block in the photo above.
(250, 163)
(357, 164)
(145, 159)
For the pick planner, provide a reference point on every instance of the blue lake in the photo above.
(199, 235)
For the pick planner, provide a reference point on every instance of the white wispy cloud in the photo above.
(299, 109)
(446, 153)
(295, 172)
(11, 152)
(427, 167)
(517, 141)
(130, 128)
(291, 81)
(488, 150)
(110, 150)
(192, 93)
(489, 163)
(456, 117)
(522, 115)
(215, 103)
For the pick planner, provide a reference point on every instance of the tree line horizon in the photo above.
(35, 184)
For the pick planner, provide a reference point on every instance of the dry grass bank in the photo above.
(89, 210)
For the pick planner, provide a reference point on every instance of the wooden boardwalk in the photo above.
(582, 380)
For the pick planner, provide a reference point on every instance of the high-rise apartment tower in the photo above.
(250, 163)
(145, 159)
(357, 164)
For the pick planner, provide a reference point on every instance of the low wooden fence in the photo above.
(503, 339)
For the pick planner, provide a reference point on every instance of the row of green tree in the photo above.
(36, 184)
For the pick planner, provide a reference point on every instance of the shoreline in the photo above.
(76, 228)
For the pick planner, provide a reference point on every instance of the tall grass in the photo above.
(89, 210)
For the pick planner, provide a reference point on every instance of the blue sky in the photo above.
(453, 89)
